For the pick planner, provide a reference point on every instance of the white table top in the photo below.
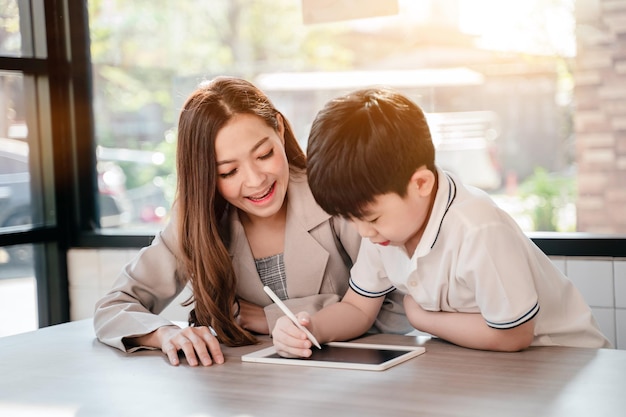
(64, 371)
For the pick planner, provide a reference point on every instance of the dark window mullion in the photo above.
(25, 65)
(54, 124)
(82, 105)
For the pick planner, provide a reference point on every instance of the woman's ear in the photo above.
(424, 180)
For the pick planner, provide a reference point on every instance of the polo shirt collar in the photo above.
(446, 193)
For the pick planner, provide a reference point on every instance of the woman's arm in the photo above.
(144, 288)
(252, 317)
(127, 316)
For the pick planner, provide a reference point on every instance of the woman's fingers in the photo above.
(172, 354)
(208, 347)
(198, 344)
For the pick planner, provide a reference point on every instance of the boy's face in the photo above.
(400, 221)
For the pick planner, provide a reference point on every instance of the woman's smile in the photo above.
(261, 198)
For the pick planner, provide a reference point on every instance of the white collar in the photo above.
(446, 193)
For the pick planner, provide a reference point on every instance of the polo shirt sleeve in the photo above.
(368, 276)
(496, 262)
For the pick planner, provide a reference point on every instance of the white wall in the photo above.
(602, 282)
(92, 273)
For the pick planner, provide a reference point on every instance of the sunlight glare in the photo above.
(23, 410)
(533, 26)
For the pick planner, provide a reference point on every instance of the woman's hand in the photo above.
(197, 343)
(252, 317)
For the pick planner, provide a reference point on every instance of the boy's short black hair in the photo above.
(365, 144)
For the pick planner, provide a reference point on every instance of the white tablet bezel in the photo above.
(262, 356)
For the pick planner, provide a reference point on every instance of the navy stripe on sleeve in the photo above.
(369, 294)
(511, 324)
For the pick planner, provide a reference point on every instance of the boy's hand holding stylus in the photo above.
(351, 317)
(289, 340)
(295, 322)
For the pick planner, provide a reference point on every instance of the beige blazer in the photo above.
(316, 272)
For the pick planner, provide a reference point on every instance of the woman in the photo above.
(244, 217)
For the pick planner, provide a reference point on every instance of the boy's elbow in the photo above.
(514, 345)
(515, 340)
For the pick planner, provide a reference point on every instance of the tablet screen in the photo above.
(343, 355)
(330, 353)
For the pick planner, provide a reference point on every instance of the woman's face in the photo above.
(252, 168)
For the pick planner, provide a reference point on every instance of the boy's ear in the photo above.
(424, 179)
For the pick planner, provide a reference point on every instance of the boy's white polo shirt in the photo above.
(474, 258)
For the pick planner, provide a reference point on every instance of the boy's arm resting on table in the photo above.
(347, 319)
(469, 329)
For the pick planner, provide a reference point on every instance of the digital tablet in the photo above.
(347, 355)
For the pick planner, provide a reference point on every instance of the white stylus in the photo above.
(291, 316)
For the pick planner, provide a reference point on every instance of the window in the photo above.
(499, 92)
(18, 208)
(33, 81)
(90, 94)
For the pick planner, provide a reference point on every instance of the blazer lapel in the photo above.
(305, 258)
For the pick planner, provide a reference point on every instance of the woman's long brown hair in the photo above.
(206, 260)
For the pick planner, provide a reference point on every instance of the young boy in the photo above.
(470, 275)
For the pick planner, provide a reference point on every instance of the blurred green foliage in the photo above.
(547, 194)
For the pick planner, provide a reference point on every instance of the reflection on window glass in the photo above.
(10, 37)
(498, 89)
(15, 187)
(18, 290)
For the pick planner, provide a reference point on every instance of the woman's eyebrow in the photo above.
(259, 143)
(254, 148)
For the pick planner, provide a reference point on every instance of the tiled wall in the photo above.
(92, 273)
(602, 282)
